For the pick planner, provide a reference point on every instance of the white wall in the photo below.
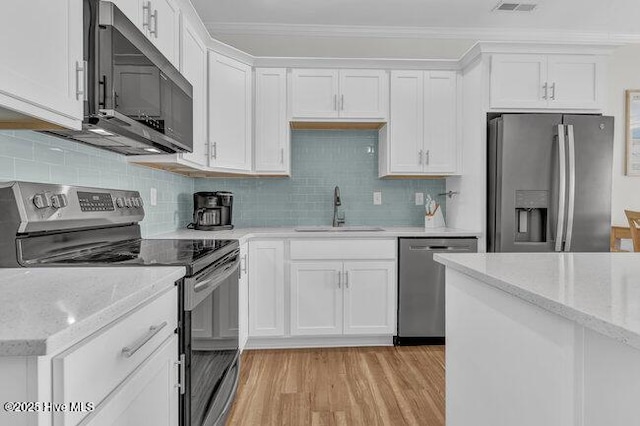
(624, 73)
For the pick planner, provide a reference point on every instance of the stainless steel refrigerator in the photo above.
(549, 183)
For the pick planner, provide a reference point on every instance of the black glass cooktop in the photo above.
(144, 252)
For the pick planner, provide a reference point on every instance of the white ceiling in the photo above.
(619, 16)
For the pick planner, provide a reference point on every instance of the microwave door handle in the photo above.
(572, 187)
(562, 188)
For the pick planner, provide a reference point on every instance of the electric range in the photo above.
(48, 225)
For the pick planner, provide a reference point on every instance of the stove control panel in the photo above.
(49, 207)
(95, 201)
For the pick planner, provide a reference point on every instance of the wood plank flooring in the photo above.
(341, 386)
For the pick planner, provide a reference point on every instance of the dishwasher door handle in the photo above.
(430, 248)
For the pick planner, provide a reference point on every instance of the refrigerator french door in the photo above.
(549, 183)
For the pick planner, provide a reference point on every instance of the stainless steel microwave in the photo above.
(136, 101)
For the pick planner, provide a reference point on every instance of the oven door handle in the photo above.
(217, 278)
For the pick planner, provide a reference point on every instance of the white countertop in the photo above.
(245, 234)
(600, 291)
(45, 310)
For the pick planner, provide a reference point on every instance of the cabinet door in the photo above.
(574, 81)
(41, 50)
(164, 29)
(148, 397)
(518, 81)
(229, 113)
(133, 10)
(243, 296)
(266, 288)
(364, 94)
(316, 298)
(440, 122)
(406, 122)
(314, 93)
(369, 297)
(271, 145)
(194, 68)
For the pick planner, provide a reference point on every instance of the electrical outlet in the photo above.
(419, 198)
(377, 198)
(153, 197)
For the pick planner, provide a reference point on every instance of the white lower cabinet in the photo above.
(266, 288)
(243, 297)
(334, 298)
(148, 397)
(369, 297)
(316, 298)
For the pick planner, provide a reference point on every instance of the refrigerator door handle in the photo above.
(572, 187)
(562, 190)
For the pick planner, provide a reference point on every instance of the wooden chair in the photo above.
(634, 224)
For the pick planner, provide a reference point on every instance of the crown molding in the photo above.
(485, 34)
(356, 63)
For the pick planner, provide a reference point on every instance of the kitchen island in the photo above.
(542, 339)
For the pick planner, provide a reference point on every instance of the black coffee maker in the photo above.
(212, 211)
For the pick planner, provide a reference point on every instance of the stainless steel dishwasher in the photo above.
(421, 288)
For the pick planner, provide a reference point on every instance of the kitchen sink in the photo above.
(338, 229)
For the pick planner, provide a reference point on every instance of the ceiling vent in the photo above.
(515, 7)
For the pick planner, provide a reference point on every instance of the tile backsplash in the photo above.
(320, 161)
(36, 157)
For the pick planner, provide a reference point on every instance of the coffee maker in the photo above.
(212, 211)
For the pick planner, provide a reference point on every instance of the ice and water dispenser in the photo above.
(531, 210)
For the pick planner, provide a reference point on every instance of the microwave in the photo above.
(136, 101)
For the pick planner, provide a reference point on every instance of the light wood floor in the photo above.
(341, 386)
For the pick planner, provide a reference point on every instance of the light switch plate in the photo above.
(153, 197)
(377, 198)
(419, 198)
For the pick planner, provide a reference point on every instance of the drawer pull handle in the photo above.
(128, 351)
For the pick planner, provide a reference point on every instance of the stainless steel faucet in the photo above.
(338, 219)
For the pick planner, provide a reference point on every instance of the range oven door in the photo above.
(210, 343)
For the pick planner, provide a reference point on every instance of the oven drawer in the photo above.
(90, 370)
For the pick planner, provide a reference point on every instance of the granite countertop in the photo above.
(245, 234)
(45, 310)
(600, 291)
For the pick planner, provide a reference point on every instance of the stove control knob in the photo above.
(128, 202)
(136, 202)
(42, 201)
(59, 201)
(120, 202)
(140, 202)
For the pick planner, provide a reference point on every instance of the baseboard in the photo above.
(293, 342)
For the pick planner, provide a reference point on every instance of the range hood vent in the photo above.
(515, 7)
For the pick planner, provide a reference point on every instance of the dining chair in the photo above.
(634, 224)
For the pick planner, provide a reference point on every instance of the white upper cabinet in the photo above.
(314, 93)
(194, 68)
(406, 125)
(517, 81)
(41, 71)
(363, 94)
(422, 134)
(230, 95)
(345, 94)
(164, 28)
(271, 141)
(575, 81)
(526, 81)
(159, 20)
(440, 147)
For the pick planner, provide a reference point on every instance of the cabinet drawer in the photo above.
(90, 370)
(343, 249)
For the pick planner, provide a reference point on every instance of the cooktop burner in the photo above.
(142, 252)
